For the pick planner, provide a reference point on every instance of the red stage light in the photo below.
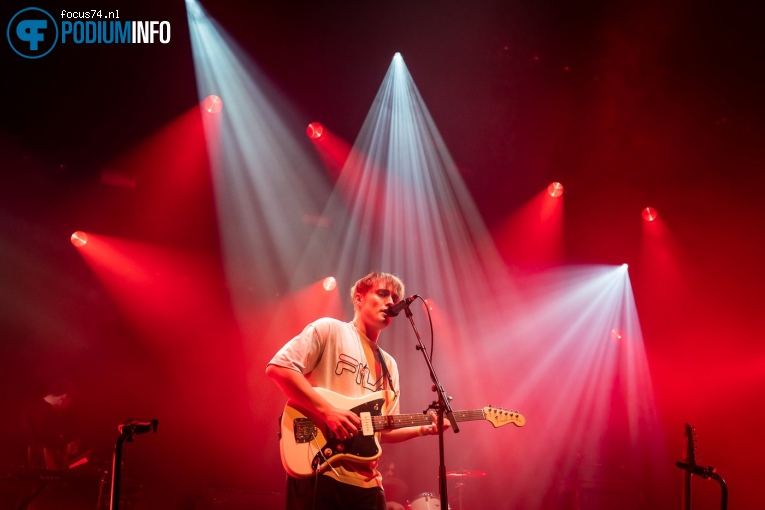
(555, 189)
(616, 334)
(212, 104)
(650, 214)
(314, 130)
(79, 239)
(329, 283)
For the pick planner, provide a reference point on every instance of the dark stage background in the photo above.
(627, 103)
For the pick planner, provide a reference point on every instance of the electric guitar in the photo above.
(307, 449)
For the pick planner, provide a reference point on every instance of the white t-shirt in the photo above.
(334, 355)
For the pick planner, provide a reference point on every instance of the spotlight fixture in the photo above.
(329, 283)
(650, 214)
(212, 104)
(79, 239)
(555, 189)
(314, 131)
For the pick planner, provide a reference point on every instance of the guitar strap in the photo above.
(385, 371)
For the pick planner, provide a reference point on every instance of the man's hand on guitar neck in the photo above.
(407, 433)
(433, 429)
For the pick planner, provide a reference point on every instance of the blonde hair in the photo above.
(389, 281)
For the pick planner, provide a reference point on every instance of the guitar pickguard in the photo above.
(361, 445)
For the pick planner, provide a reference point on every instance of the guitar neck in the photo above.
(398, 421)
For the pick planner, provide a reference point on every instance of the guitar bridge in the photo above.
(304, 429)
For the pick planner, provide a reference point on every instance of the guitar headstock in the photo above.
(691, 449)
(499, 417)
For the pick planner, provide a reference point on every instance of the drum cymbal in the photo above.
(465, 474)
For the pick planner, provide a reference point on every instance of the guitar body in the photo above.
(306, 448)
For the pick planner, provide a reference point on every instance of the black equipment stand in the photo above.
(127, 432)
(442, 407)
(707, 472)
(37, 491)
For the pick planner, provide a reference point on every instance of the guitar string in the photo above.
(382, 422)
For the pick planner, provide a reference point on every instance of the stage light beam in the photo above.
(650, 214)
(79, 239)
(555, 189)
(329, 283)
(212, 104)
(315, 131)
(265, 181)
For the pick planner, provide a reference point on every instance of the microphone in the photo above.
(394, 310)
(134, 426)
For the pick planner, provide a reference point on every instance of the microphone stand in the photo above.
(127, 433)
(707, 472)
(442, 407)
